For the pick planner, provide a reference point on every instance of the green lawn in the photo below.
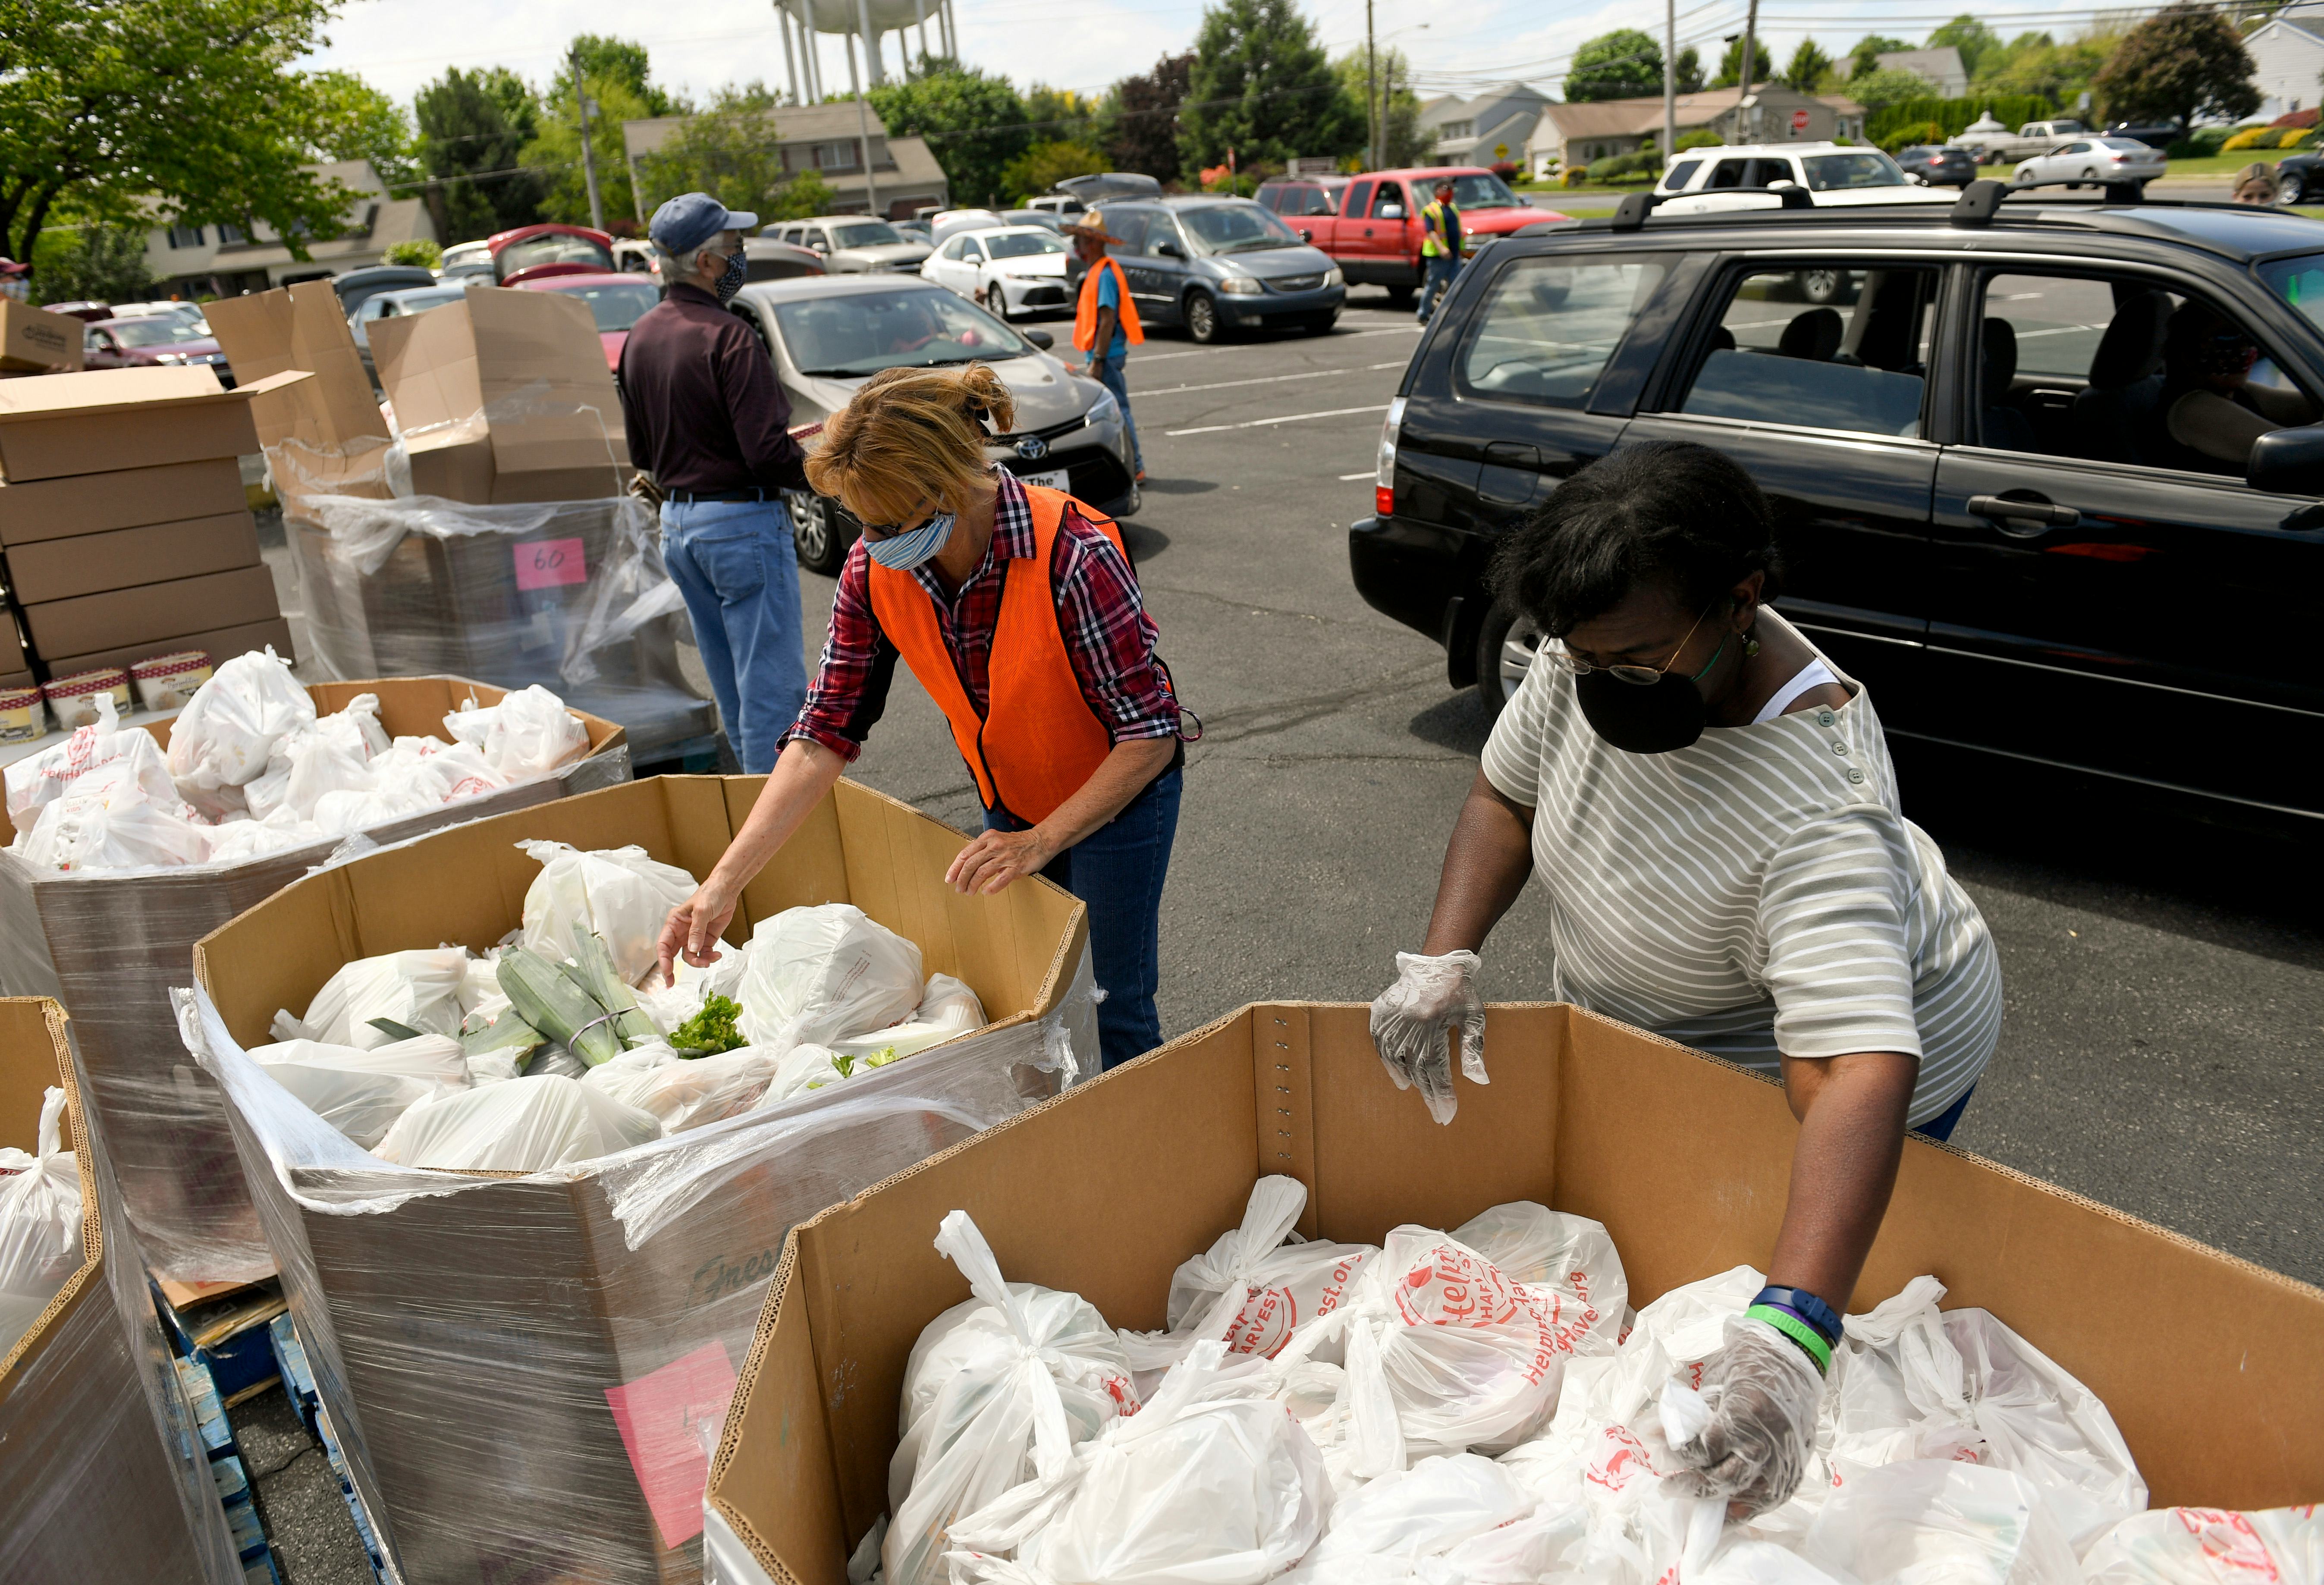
(2228, 164)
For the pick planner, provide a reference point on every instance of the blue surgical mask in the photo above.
(903, 552)
(731, 282)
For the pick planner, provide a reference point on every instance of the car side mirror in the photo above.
(1305, 235)
(1041, 338)
(2288, 462)
(1169, 250)
(1390, 212)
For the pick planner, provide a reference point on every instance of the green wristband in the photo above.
(1798, 1331)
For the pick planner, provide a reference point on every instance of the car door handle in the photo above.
(2008, 513)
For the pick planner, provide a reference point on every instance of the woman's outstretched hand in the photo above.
(694, 926)
(996, 858)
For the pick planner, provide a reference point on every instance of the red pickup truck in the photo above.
(1372, 231)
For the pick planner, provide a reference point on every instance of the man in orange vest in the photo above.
(1105, 322)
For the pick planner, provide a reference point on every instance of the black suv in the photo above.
(1986, 452)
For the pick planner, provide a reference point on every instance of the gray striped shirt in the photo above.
(1757, 893)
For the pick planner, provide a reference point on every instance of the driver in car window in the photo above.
(2212, 411)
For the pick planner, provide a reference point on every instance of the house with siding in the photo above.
(222, 260)
(828, 140)
(1568, 135)
(2287, 53)
(1941, 68)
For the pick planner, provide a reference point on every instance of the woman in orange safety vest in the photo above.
(1016, 607)
(1105, 322)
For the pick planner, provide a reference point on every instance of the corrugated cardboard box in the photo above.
(1685, 1159)
(493, 1353)
(504, 397)
(110, 947)
(326, 433)
(89, 1490)
(126, 498)
(35, 340)
(102, 419)
(218, 643)
(152, 612)
(90, 564)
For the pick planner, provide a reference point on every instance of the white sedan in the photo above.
(1011, 269)
(2093, 159)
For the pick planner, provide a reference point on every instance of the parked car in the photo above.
(1374, 239)
(765, 259)
(616, 300)
(2033, 138)
(1296, 198)
(357, 287)
(851, 244)
(1088, 190)
(1937, 165)
(917, 230)
(2093, 160)
(1835, 176)
(387, 305)
(87, 311)
(830, 334)
(1984, 516)
(635, 256)
(151, 340)
(2297, 176)
(191, 313)
(1048, 220)
(946, 223)
(529, 253)
(1010, 269)
(2161, 136)
(467, 258)
(1213, 266)
(1064, 206)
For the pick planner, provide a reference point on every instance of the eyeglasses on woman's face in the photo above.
(1644, 676)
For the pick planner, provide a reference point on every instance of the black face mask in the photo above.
(1654, 718)
(731, 282)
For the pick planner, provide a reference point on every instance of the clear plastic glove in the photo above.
(1412, 1018)
(1763, 1391)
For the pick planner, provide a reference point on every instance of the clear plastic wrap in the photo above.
(101, 1475)
(110, 944)
(570, 594)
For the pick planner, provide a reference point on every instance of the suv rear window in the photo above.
(1825, 349)
(1866, 167)
(1550, 324)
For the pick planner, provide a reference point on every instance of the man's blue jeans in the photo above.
(1113, 374)
(1118, 869)
(734, 563)
(1441, 268)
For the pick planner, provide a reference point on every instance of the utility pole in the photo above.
(589, 154)
(1371, 89)
(1749, 62)
(1669, 81)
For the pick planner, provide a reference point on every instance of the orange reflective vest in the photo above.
(1085, 310)
(1039, 740)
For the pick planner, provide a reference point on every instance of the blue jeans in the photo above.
(734, 563)
(1113, 374)
(1441, 268)
(1118, 871)
(1942, 1126)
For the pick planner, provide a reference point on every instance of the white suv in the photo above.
(1832, 173)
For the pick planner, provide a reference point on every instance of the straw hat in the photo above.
(1091, 225)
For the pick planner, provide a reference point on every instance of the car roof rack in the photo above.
(1631, 213)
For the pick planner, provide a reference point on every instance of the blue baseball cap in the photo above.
(691, 219)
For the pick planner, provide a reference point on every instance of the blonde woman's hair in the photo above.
(911, 440)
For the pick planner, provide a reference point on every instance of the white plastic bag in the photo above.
(362, 1093)
(822, 974)
(39, 1218)
(1210, 1484)
(525, 1125)
(529, 733)
(997, 1390)
(669, 1003)
(419, 989)
(1550, 1248)
(105, 821)
(2211, 1546)
(1249, 1288)
(804, 1068)
(1940, 1521)
(620, 893)
(134, 758)
(948, 1008)
(1422, 1512)
(683, 1091)
(230, 729)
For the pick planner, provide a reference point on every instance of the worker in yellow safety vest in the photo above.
(1440, 247)
(1105, 322)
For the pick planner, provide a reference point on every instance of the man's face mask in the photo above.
(731, 282)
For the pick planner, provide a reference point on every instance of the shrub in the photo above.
(1646, 162)
(418, 250)
(2200, 144)
(1700, 138)
(1575, 176)
(1506, 169)
(2249, 137)
(2298, 137)
(1912, 134)
(2305, 120)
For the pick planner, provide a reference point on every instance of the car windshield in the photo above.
(616, 305)
(2299, 281)
(1023, 246)
(1828, 172)
(553, 247)
(1235, 228)
(864, 233)
(419, 302)
(856, 333)
(1482, 191)
(156, 330)
(2128, 145)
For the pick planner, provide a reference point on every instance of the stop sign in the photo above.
(1799, 121)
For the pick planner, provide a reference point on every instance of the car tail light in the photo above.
(1384, 476)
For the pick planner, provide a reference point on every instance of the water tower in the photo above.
(858, 19)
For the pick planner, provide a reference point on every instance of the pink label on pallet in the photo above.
(545, 564)
(669, 1421)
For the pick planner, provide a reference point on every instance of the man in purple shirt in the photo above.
(708, 420)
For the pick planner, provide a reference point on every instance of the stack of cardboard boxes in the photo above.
(123, 522)
(33, 341)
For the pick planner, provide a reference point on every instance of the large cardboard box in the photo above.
(219, 643)
(126, 498)
(34, 340)
(504, 397)
(103, 419)
(1685, 1158)
(111, 947)
(91, 1485)
(91, 564)
(517, 1367)
(326, 433)
(150, 612)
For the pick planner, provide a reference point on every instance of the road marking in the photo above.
(1203, 352)
(1337, 412)
(1374, 473)
(1270, 379)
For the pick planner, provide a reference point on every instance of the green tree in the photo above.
(2056, 72)
(2184, 61)
(974, 122)
(1138, 125)
(1402, 143)
(417, 250)
(1808, 69)
(1687, 70)
(1731, 64)
(1621, 65)
(729, 151)
(554, 151)
(1976, 41)
(1262, 87)
(1866, 57)
(126, 112)
(1060, 115)
(614, 60)
(364, 123)
(1887, 86)
(86, 263)
(1044, 165)
(474, 127)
